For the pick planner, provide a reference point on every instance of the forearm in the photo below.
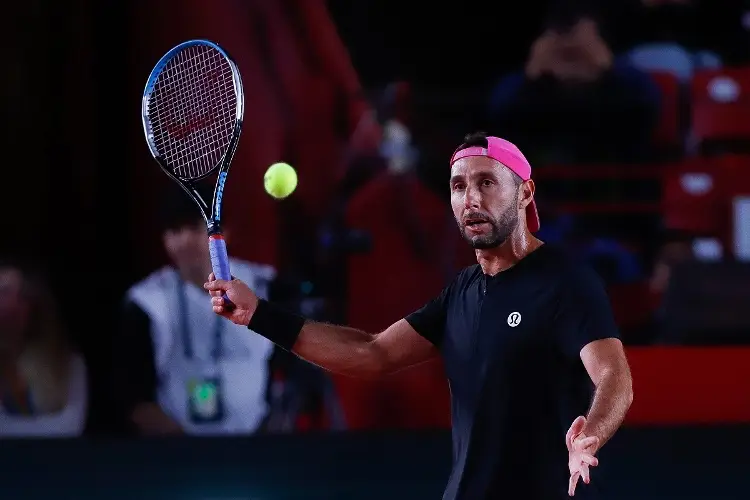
(612, 399)
(339, 349)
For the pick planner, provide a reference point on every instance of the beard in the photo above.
(500, 229)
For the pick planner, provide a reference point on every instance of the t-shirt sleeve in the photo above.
(584, 313)
(429, 321)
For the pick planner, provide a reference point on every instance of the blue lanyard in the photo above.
(187, 343)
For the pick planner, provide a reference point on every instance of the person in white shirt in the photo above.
(43, 381)
(177, 368)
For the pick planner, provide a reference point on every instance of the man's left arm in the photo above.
(608, 368)
(589, 334)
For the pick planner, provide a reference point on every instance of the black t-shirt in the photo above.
(511, 347)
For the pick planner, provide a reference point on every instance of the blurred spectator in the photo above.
(681, 36)
(675, 251)
(43, 383)
(179, 368)
(667, 39)
(611, 259)
(575, 101)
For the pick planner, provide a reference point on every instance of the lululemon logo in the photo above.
(514, 319)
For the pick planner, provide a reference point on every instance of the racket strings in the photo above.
(193, 111)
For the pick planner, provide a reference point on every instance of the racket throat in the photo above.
(214, 230)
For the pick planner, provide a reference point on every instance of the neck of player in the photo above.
(518, 245)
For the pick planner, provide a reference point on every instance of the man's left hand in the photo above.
(581, 451)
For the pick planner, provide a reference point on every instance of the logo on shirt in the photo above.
(514, 319)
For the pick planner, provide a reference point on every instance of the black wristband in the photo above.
(277, 325)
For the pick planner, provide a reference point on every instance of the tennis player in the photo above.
(527, 337)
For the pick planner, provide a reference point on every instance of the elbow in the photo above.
(371, 361)
(626, 390)
(629, 393)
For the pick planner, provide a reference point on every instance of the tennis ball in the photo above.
(280, 180)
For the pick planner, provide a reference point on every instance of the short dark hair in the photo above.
(178, 210)
(479, 139)
(474, 139)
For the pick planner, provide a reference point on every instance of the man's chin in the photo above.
(482, 242)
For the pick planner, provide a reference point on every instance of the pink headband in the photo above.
(499, 150)
(509, 155)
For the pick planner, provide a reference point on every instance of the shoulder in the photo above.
(575, 286)
(558, 266)
(152, 294)
(155, 282)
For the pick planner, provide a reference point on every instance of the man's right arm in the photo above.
(353, 352)
(339, 349)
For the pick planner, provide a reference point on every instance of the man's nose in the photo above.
(472, 198)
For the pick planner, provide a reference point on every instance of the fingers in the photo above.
(585, 475)
(589, 459)
(212, 277)
(579, 468)
(572, 483)
(216, 285)
(217, 303)
(587, 442)
(575, 429)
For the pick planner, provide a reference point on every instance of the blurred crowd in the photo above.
(633, 115)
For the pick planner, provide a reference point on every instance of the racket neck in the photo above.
(214, 229)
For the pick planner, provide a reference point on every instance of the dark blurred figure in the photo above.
(43, 381)
(575, 101)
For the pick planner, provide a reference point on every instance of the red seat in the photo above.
(693, 198)
(720, 101)
(392, 280)
(667, 132)
(736, 170)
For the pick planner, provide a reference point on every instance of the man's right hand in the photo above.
(245, 301)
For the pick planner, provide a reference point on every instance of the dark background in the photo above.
(78, 199)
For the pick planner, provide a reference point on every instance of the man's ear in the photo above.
(526, 193)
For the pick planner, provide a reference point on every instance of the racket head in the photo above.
(192, 112)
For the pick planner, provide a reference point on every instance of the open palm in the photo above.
(581, 450)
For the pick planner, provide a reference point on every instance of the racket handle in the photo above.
(220, 261)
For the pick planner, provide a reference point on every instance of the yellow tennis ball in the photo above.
(280, 180)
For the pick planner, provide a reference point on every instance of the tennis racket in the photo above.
(192, 111)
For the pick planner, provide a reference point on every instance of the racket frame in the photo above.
(212, 214)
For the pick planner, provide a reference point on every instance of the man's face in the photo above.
(485, 201)
(187, 246)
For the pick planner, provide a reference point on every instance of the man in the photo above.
(525, 335)
(178, 367)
